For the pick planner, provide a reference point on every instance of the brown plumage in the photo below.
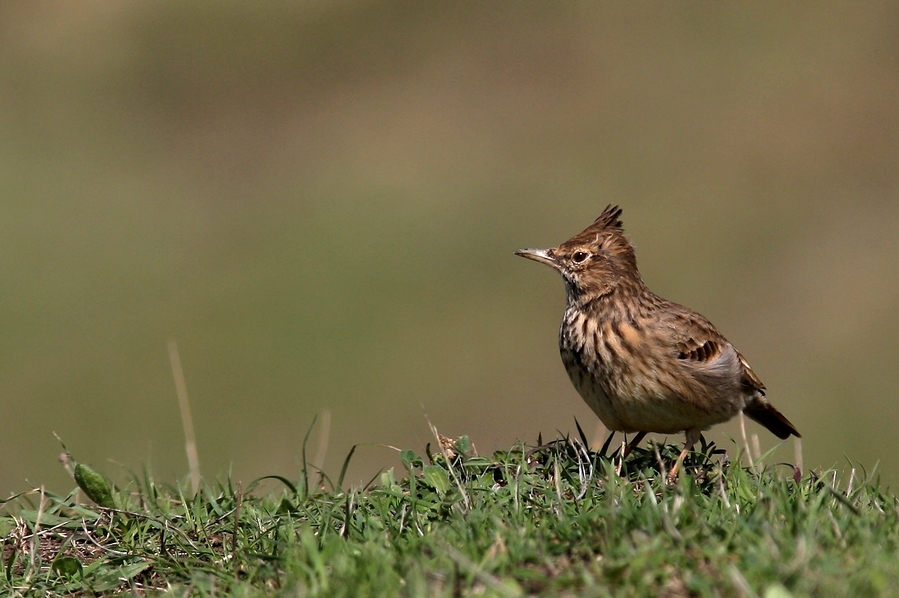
(643, 363)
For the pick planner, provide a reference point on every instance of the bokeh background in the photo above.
(320, 201)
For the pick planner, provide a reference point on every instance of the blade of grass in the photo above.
(190, 440)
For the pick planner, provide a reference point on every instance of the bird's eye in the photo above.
(580, 257)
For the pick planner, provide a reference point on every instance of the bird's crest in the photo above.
(608, 224)
(609, 219)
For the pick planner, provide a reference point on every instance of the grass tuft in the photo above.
(552, 519)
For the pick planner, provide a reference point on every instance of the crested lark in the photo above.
(642, 363)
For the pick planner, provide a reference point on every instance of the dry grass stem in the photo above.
(190, 441)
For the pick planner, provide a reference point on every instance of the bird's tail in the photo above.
(764, 413)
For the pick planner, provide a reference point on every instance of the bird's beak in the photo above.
(544, 256)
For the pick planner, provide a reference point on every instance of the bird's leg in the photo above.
(633, 444)
(692, 437)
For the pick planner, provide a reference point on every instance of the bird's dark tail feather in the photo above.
(771, 418)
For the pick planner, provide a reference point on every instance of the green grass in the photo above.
(556, 520)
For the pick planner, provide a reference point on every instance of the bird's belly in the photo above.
(634, 404)
(601, 404)
(609, 409)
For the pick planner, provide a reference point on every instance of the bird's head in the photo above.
(592, 263)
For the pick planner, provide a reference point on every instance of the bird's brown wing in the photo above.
(700, 351)
(713, 361)
(710, 371)
(695, 338)
(698, 341)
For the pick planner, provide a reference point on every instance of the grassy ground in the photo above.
(555, 520)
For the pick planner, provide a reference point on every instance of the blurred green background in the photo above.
(320, 202)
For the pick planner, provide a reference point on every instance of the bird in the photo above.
(642, 363)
